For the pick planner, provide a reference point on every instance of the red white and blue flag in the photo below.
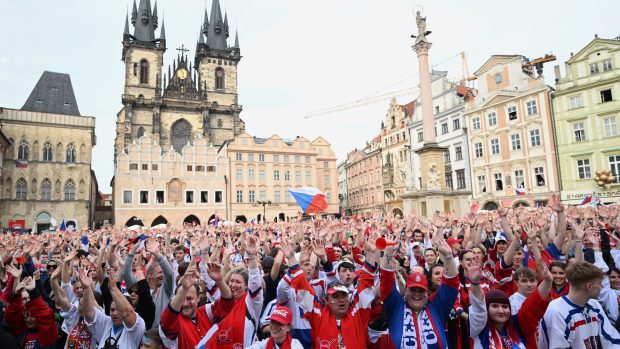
(21, 163)
(586, 200)
(520, 191)
(310, 199)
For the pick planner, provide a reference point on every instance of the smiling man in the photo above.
(280, 327)
(414, 321)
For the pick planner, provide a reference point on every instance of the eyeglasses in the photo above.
(51, 266)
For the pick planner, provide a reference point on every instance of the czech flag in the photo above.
(520, 191)
(586, 200)
(310, 199)
(21, 163)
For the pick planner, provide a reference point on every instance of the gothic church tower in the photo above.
(176, 107)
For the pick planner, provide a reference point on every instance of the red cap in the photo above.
(337, 287)
(282, 315)
(417, 280)
(452, 241)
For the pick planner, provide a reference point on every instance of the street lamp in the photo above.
(262, 203)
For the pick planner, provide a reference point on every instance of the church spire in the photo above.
(145, 22)
(155, 23)
(201, 38)
(216, 38)
(162, 34)
(126, 30)
(205, 24)
(226, 31)
(134, 13)
(236, 39)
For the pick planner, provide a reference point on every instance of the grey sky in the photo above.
(298, 56)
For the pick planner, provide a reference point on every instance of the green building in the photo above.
(586, 110)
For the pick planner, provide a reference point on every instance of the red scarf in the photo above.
(286, 344)
(231, 330)
(79, 336)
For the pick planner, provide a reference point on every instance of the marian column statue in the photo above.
(422, 32)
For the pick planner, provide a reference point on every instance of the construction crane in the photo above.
(465, 70)
(538, 63)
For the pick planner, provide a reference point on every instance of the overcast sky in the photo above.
(298, 56)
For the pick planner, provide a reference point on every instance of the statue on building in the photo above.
(433, 177)
(422, 32)
(402, 169)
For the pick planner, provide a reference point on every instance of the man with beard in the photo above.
(416, 322)
(183, 323)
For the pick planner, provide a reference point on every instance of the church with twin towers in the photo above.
(174, 120)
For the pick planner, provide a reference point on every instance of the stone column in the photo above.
(428, 120)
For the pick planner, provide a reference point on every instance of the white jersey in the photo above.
(516, 301)
(567, 325)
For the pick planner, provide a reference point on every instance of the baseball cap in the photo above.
(417, 280)
(452, 241)
(336, 286)
(500, 236)
(417, 244)
(282, 315)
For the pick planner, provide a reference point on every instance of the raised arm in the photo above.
(123, 306)
(445, 252)
(561, 225)
(510, 251)
(60, 296)
(88, 299)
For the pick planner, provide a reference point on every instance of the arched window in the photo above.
(21, 188)
(219, 78)
(144, 72)
(71, 152)
(220, 123)
(69, 190)
(140, 132)
(47, 151)
(46, 189)
(181, 132)
(23, 151)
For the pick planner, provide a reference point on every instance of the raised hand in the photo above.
(16, 273)
(250, 245)
(544, 270)
(189, 278)
(555, 204)
(318, 248)
(29, 283)
(215, 271)
(152, 246)
(56, 274)
(87, 281)
(474, 272)
(71, 256)
(442, 246)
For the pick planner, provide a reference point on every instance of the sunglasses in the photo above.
(51, 266)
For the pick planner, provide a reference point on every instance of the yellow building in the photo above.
(586, 111)
(154, 185)
(263, 169)
(511, 141)
(46, 171)
(364, 179)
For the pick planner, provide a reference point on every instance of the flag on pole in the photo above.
(310, 199)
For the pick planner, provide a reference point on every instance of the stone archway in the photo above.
(490, 206)
(520, 203)
(134, 221)
(42, 221)
(191, 219)
(159, 220)
(241, 218)
(281, 217)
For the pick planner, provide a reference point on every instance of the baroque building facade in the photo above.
(47, 174)
(586, 108)
(396, 160)
(263, 169)
(511, 139)
(364, 179)
(193, 100)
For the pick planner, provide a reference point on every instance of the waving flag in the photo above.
(310, 199)
(85, 244)
(63, 226)
(586, 200)
(520, 191)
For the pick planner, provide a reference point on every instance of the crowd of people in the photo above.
(513, 278)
